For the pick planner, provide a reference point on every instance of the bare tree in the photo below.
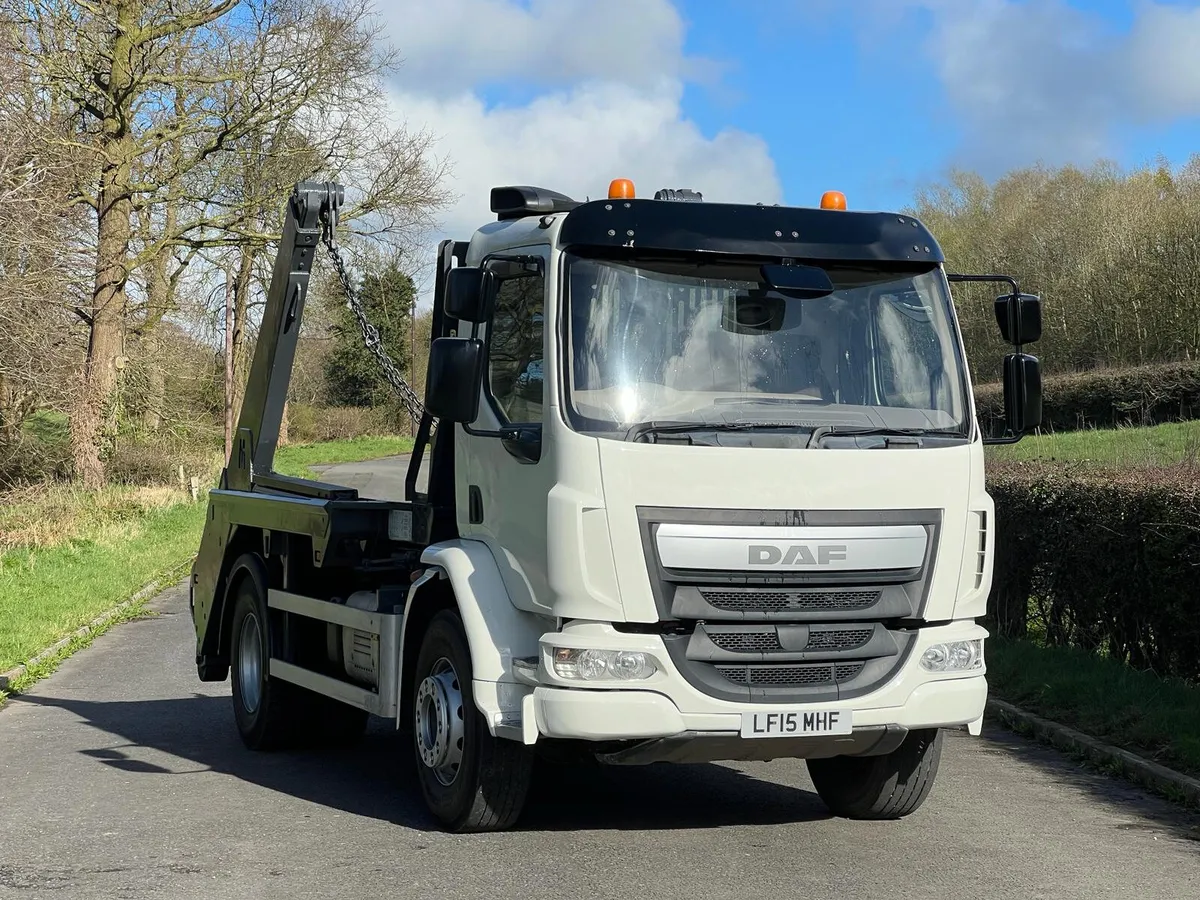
(1116, 256)
(195, 121)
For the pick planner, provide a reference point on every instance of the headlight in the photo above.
(602, 665)
(954, 656)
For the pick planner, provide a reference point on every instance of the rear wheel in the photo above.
(880, 787)
(272, 714)
(471, 781)
(263, 707)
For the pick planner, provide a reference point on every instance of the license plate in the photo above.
(765, 724)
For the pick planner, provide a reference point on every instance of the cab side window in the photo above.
(515, 349)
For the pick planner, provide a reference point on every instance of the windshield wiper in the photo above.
(909, 436)
(670, 427)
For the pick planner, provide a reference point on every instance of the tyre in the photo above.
(470, 780)
(264, 708)
(880, 787)
(272, 714)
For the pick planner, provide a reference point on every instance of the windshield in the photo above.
(679, 342)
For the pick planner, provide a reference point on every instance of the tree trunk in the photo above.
(156, 385)
(229, 345)
(94, 406)
(241, 313)
(160, 300)
(91, 426)
(10, 419)
(283, 426)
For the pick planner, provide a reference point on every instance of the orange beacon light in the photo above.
(833, 200)
(620, 189)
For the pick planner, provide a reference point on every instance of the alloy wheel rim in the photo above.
(250, 663)
(439, 714)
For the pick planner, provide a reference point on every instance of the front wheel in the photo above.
(471, 781)
(880, 787)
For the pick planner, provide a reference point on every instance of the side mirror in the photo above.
(469, 293)
(454, 379)
(1020, 318)
(1022, 393)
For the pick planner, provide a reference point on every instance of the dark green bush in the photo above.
(1106, 560)
(1105, 398)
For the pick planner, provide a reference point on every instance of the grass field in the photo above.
(67, 556)
(1160, 445)
(295, 459)
(1152, 716)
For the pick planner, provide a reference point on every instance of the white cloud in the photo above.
(455, 44)
(1040, 80)
(577, 141)
(1164, 57)
(609, 106)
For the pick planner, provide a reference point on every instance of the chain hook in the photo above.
(370, 334)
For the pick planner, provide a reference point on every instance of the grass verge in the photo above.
(1161, 445)
(296, 459)
(1154, 717)
(109, 546)
(47, 594)
(50, 661)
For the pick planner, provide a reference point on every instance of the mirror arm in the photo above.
(956, 278)
(1012, 439)
(485, 432)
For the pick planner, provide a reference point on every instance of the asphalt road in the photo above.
(122, 776)
(377, 479)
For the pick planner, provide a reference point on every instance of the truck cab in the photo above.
(706, 484)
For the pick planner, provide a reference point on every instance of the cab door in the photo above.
(508, 472)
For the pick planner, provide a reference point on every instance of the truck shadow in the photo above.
(377, 779)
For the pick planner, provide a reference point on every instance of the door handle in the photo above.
(474, 504)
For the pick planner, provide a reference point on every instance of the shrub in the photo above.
(150, 465)
(312, 424)
(1105, 398)
(29, 460)
(1106, 560)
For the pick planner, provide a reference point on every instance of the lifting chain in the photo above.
(370, 334)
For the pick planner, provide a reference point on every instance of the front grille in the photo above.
(841, 639)
(745, 641)
(805, 675)
(782, 601)
(759, 635)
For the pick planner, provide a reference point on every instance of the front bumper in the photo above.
(667, 706)
(616, 715)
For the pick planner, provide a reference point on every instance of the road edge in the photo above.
(1158, 778)
(93, 629)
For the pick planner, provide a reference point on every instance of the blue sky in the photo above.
(779, 100)
(867, 112)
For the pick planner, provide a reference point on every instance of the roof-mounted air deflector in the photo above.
(522, 200)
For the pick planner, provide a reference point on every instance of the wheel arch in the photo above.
(462, 575)
(243, 558)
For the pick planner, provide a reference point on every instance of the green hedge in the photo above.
(1108, 398)
(1105, 560)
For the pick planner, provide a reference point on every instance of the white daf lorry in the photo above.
(704, 482)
